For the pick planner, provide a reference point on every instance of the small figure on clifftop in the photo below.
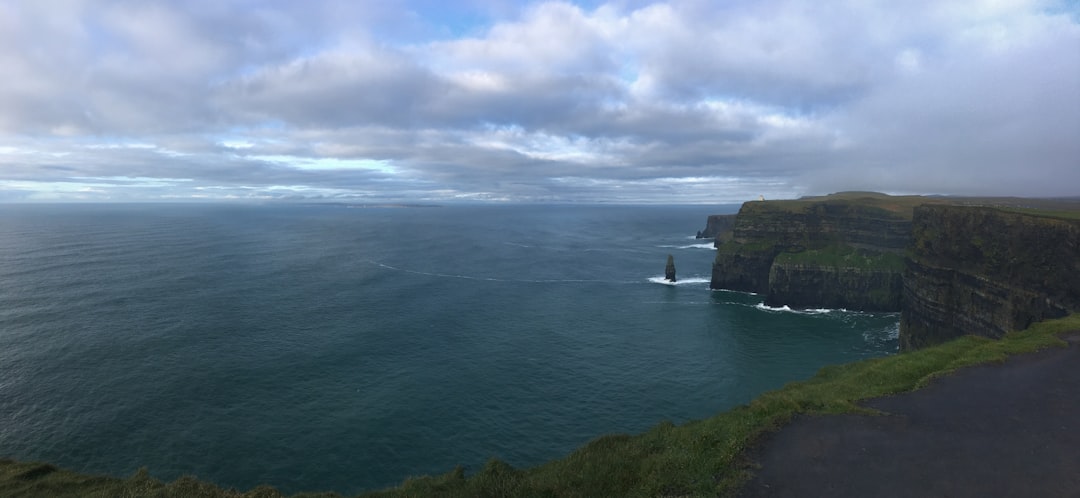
(669, 271)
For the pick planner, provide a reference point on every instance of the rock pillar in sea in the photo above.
(669, 271)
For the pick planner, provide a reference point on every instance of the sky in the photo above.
(496, 101)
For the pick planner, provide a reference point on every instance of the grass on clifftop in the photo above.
(844, 256)
(1047, 213)
(702, 458)
(900, 206)
(903, 205)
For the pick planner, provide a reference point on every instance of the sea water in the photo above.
(329, 347)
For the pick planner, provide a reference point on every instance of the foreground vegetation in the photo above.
(702, 458)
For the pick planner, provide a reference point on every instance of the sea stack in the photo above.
(669, 271)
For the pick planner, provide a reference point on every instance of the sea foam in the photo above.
(710, 246)
(682, 281)
(787, 309)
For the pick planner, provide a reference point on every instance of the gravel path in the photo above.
(996, 430)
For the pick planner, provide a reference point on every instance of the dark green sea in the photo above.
(345, 349)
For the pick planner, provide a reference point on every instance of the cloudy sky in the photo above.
(489, 100)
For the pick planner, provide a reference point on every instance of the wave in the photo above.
(748, 293)
(890, 333)
(690, 246)
(682, 281)
(787, 309)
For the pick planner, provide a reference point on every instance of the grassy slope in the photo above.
(702, 458)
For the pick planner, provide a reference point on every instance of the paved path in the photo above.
(988, 431)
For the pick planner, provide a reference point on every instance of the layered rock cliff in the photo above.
(986, 271)
(717, 224)
(848, 277)
(815, 223)
(840, 251)
(743, 266)
(968, 269)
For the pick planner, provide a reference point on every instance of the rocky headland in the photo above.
(951, 266)
(717, 224)
(838, 251)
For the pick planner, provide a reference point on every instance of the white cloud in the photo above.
(552, 38)
(327, 163)
(618, 101)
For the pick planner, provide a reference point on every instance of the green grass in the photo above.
(1046, 213)
(903, 205)
(702, 458)
(844, 256)
(896, 206)
(747, 248)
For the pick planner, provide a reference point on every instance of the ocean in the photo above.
(336, 348)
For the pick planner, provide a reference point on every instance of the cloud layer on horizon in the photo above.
(679, 101)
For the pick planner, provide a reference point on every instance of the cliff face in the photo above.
(834, 288)
(743, 267)
(813, 224)
(859, 279)
(828, 252)
(969, 270)
(716, 225)
(986, 271)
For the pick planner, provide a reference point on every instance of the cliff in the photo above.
(816, 222)
(987, 271)
(717, 224)
(837, 277)
(974, 266)
(837, 251)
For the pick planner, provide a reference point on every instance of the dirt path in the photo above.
(997, 430)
